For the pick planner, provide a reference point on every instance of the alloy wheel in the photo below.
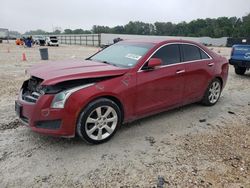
(214, 92)
(101, 123)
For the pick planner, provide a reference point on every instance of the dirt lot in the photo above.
(193, 146)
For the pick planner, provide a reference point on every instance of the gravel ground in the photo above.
(192, 146)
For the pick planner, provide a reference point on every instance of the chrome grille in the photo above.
(31, 97)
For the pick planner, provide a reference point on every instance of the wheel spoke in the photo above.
(99, 112)
(91, 120)
(214, 85)
(92, 130)
(210, 97)
(113, 119)
(109, 110)
(217, 95)
(217, 87)
(99, 136)
(214, 98)
(110, 130)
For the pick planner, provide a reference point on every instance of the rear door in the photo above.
(199, 67)
(162, 87)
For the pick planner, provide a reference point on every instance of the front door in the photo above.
(162, 87)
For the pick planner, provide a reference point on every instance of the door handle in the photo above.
(180, 71)
(210, 64)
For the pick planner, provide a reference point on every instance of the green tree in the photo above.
(139, 28)
(36, 32)
(162, 28)
(245, 30)
(118, 30)
(181, 29)
(68, 31)
(56, 32)
(101, 29)
(220, 27)
(78, 31)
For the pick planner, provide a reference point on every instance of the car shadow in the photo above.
(157, 116)
(245, 76)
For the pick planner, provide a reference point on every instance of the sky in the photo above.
(25, 15)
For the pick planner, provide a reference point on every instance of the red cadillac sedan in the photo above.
(124, 82)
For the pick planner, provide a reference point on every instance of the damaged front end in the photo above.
(32, 89)
(43, 107)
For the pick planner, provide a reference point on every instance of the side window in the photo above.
(204, 55)
(169, 54)
(190, 52)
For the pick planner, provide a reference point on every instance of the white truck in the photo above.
(51, 41)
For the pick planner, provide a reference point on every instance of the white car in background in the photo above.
(52, 41)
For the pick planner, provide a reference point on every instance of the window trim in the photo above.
(204, 53)
(200, 51)
(180, 54)
(182, 62)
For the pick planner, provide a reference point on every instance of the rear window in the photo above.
(204, 55)
(169, 54)
(190, 52)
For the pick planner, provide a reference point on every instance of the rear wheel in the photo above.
(240, 70)
(99, 121)
(213, 93)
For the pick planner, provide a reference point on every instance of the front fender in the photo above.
(120, 88)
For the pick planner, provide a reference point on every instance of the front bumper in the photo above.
(239, 63)
(54, 43)
(41, 118)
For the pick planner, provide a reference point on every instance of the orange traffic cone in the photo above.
(24, 57)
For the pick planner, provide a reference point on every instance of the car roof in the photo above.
(158, 41)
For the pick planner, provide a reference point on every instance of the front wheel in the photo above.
(99, 121)
(240, 70)
(213, 93)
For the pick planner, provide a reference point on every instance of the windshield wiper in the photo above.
(108, 63)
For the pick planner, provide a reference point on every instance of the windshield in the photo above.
(122, 54)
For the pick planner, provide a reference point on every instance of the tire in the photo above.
(240, 70)
(213, 93)
(98, 122)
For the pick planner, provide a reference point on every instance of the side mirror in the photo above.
(154, 62)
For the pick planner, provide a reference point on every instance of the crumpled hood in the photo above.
(56, 72)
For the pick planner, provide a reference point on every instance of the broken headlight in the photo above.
(60, 98)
